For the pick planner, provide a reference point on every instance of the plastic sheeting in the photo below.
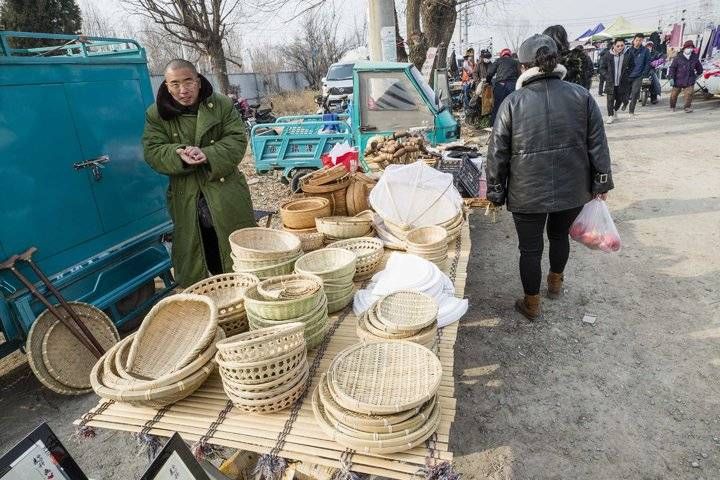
(409, 272)
(415, 195)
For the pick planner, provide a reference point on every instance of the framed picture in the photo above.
(39, 456)
(175, 462)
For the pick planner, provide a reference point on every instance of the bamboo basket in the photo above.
(341, 227)
(262, 344)
(369, 252)
(429, 238)
(234, 324)
(339, 184)
(406, 311)
(226, 290)
(301, 213)
(327, 263)
(326, 175)
(241, 395)
(172, 335)
(256, 305)
(289, 287)
(283, 268)
(262, 371)
(263, 244)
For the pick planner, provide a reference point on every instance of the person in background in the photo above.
(640, 70)
(195, 136)
(616, 69)
(683, 72)
(656, 59)
(601, 58)
(483, 66)
(578, 65)
(546, 175)
(502, 75)
(468, 69)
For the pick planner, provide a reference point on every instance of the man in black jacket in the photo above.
(616, 69)
(601, 58)
(502, 75)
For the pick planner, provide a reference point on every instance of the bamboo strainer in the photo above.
(173, 334)
(384, 377)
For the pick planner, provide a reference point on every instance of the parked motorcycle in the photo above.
(253, 114)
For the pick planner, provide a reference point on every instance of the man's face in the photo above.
(184, 85)
(637, 41)
(619, 46)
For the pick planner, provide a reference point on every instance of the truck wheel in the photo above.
(296, 176)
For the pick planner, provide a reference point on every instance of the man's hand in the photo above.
(602, 196)
(191, 155)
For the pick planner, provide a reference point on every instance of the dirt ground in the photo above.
(636, 395)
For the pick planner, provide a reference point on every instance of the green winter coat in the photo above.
(220, 133)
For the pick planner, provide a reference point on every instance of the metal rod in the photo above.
(10, 265)
(27, 257)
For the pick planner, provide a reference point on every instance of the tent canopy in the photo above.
(590, 32)
(620, 28)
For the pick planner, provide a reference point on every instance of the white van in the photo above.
(338, 84)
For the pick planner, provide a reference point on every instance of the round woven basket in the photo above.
(374, 328)
(426, 238)
(263, 244)
(310, 238)
(262, 371)
(356, 196)
(173, 334)
(226, 290)
(312, 320)
(276, 404)
(284, 268)
(406, 311)
(66, 359)
(301, 213)
(340, 227)
(327, 263)
(256, 305)
(339, 184)
(378, 447)
(369, 252)
(326, 175)
(384, 377)
(289, 287)
(234, 324)
(340, 302)
(251, 397)
(262, 344)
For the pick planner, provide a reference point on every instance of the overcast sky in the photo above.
(501, 19)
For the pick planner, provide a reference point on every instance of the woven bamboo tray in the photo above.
(291, 309)
(369, 252)
(326, 175)
(263, 244)
(262, 344)
(327, 263)
(226, 290)
(406, 442)
(384, 377)
(66, 359)
(339, 184)
(406, 311)
(306, 442)
(173, 334)
(289, 287)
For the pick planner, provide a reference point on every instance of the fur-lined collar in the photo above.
(168, 108)
(534, 72)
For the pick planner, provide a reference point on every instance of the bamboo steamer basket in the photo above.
(301, 213)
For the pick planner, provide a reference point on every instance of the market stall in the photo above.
(348, 362)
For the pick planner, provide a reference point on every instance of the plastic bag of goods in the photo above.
(341, 154)
(594, 228)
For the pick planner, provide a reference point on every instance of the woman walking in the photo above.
(548, 156)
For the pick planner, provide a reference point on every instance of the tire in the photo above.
(296, 176)
(645, 96)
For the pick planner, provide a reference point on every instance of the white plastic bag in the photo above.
(594, 228)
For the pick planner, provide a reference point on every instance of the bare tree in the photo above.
(204, 24)
(516, 31)
(317, 46)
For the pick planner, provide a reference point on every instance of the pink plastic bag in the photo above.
(594, 228)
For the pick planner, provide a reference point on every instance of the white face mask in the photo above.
(486, 60)
(688, 52)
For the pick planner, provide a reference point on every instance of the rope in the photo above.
(147, 443)
(83, 430)
(345, 472)
(271, 466)
(202, 448)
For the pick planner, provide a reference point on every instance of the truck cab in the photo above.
(386, 97)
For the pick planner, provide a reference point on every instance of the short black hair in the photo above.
(619, 40)
(639, 35)
(179, 64)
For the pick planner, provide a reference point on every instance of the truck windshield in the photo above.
(340, 72)
(427, 90)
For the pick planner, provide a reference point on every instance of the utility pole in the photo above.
(381, 31)
(467, 22)
(460, 31)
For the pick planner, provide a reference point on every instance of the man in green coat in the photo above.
(196, 137)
